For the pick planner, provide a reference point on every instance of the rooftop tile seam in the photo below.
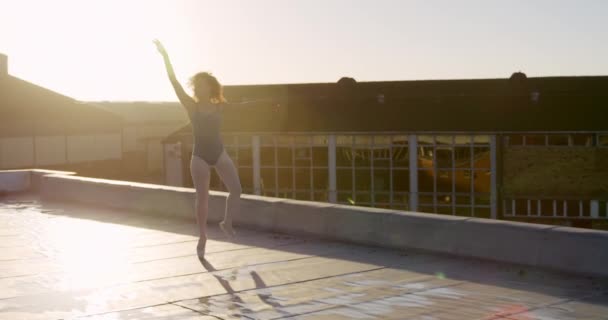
(140, 308)
(33, 259)
(169, 243)
(448, 306)
(160, 244)
(284, 284)
(18, 276)
(179, 276)
(114, 311)
(506, 316)
(21, 259)
(512, 282)
(136, 246)
(201, 313)
(176, 302)
(216, 252)
(217, 270)
(16, 246)
(389, 296)
(550, 304)
(168, 258)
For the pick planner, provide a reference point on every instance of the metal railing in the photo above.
(547, 207)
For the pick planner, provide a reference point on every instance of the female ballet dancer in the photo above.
(204, 111)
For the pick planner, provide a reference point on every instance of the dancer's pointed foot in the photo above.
(200, 248)
(227, 229)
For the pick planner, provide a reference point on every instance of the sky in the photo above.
(102, 49)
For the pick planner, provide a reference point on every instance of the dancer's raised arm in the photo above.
(183, 97)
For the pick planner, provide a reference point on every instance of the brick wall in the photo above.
(556, 171)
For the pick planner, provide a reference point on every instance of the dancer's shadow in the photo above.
(237, 301)
(223, 282)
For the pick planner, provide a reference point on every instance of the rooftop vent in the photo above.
(519, 83)
(346, 81)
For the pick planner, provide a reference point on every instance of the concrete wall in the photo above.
(173, 165)
(19, 152)
(155, 156)
(94, 147)
(134, 136)
(16, 152)
(50, 150)
(146, 141)
(129, 139)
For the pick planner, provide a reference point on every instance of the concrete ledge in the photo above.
(37, 174)
(130, 196)
(575, 250)
(14, 181)
(24, 180)
(564, 249)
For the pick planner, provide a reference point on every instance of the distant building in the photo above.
(145, 125)
(482, 147)
(44, 129)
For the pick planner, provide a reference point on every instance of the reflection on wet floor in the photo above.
(62, 261)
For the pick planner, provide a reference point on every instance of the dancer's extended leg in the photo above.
(228, 173)
(200, 178)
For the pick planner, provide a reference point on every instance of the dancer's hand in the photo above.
(183, 97)
(161, 49)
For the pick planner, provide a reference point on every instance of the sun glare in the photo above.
(104, 44)
(90, 254)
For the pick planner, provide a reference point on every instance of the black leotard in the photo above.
(205, 125)
(207, 140)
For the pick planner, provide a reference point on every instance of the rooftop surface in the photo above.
(60, 260)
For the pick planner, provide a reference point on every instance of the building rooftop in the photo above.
(471, 105)
(139, 112)
(27, 109)
(62, 260)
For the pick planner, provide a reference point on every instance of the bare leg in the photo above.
(200, 178)
(227, 171)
